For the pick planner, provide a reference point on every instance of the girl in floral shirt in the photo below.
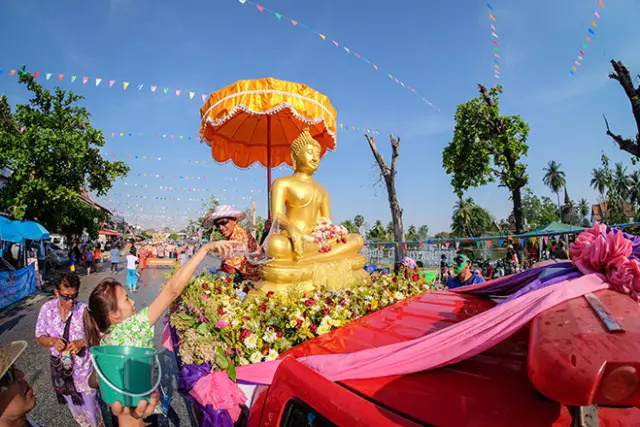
(111, 317)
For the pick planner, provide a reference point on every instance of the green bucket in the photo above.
(126, 374)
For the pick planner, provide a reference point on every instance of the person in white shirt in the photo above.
(132, 273)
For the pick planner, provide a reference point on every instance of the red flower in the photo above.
(279, 334)
(328, 301)
(313, 327)
(325, 311)
(415, 278)
(220, 311)
(265, 349)
(228, 279)
(244, 334)
(394, 280)
(205, 286)
(270, 294)
(246, 317)
(347, 292)
(309, 302)
(298, 322)
(263, 307)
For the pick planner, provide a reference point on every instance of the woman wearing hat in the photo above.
(17, 398)
(226, 219)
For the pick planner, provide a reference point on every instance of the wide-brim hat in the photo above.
(9, 353)
(225, 211)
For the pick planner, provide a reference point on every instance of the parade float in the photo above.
(315, 302)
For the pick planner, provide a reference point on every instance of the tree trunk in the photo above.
(389, 176)
(517, 210)
(621, 75)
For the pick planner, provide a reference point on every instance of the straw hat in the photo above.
(225, 211)
(9, 353)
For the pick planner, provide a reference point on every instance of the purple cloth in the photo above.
(189, 375)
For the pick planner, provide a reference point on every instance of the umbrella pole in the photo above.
(269, 166)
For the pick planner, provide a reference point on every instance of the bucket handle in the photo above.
(110, 384)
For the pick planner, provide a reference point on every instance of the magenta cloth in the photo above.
(217, 389)
(50, 324)
(167, 342)
(444, 347)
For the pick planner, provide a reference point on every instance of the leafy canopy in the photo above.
(53, 151)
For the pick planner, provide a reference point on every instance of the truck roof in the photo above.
(492, 388)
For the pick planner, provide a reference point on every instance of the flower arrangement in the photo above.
(326, 232)
(216, 326)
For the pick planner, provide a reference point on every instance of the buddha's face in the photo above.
(308, 158)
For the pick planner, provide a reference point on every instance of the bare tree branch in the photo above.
(621, 75)
(384, 170)
(625, 144)
(395, 146)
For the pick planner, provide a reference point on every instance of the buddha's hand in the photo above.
(297, 240)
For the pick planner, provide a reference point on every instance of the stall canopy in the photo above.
(557, 228)
(32, 230)
(9, 231)
(109, 233)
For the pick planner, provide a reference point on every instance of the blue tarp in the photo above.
(32, 230)
(15, 285)
(9, 231)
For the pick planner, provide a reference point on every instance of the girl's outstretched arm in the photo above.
(179, 280)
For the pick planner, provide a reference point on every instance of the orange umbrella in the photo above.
(257, 120)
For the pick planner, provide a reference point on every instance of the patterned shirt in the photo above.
(240, 263)
(135, 331)
(50, 324)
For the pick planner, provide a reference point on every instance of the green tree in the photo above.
(358, 220)
(412, 234)
(377, 233)
(53, 150)
(538, 211)
(487, 146)
(599, 181)
(584, 208)
(554, 178)
(423, 232)
(634, 190)
(469, 219)
(621, 181)
(350, 226)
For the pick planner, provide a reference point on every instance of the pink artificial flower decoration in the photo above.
(221, 324)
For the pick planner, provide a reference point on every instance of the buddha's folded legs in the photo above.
(280, 248)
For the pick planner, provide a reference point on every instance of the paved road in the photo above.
(19, 320)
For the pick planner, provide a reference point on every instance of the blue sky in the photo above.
(441, 48)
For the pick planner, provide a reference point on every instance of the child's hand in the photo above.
(144, 408)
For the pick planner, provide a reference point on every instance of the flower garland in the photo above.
(216, 326)
(609, 254)
(326, 232)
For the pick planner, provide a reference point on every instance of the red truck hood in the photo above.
(492, 388)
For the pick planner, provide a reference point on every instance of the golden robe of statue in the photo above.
(298, 202)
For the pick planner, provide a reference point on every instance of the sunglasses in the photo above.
(68, 297)
(221, 223)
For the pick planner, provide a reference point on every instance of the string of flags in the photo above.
(591, 32)
(495, 42)
(158, 176)
(169, 188)
(326, 38)
(124, 85)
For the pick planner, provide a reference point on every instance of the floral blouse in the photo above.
(50, 324)
(136, 331)
(240, 263)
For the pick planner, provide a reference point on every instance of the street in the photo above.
(18, 321)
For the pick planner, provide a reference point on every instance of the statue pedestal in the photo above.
(333, 275)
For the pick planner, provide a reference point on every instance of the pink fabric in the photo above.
(607, 254)
(167, 342)
(446, 346)
(218, 390)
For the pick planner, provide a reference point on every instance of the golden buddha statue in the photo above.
(298, 203)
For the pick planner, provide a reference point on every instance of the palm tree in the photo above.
(634, 188)
(423, 231)
(554, 179)
(599, 181)
(358, 220)
(621, 181)
(350, 226)
(584, 208)
(377, 232)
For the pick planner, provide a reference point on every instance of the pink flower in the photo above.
(309, 302)
(621, 273)
(244, 334)
(221, 324)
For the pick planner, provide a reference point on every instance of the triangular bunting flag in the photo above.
(153, 88)
(600, 3)
(204, 97)
(322, 36)
(85, 80)
(125, 85)
(178, 92)
(140, 87)
(260, 8)
(191, 95)
(595, 12)
(495, 35)
(60, 76)
(165, 90)
(588, 39)
(457, 245)
(500, 243)
(277, 15)
(375, 66)
(35, 75)
(594, 24)
(13, 73)
(582, 52)
(347, 49)
(111, 83)
(336, 43)
(489, 242)
(294, 23)
(242, 1)
(73, 79)
(478, 244)
(493, 27)
(98, 81)
(593, 33)
(493, 18)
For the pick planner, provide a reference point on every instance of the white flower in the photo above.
(251, 341)
(398, 295)
(269, 336)
(256, 357)
(243, 361)
(273, 355)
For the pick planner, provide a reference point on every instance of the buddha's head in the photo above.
(305, 153)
